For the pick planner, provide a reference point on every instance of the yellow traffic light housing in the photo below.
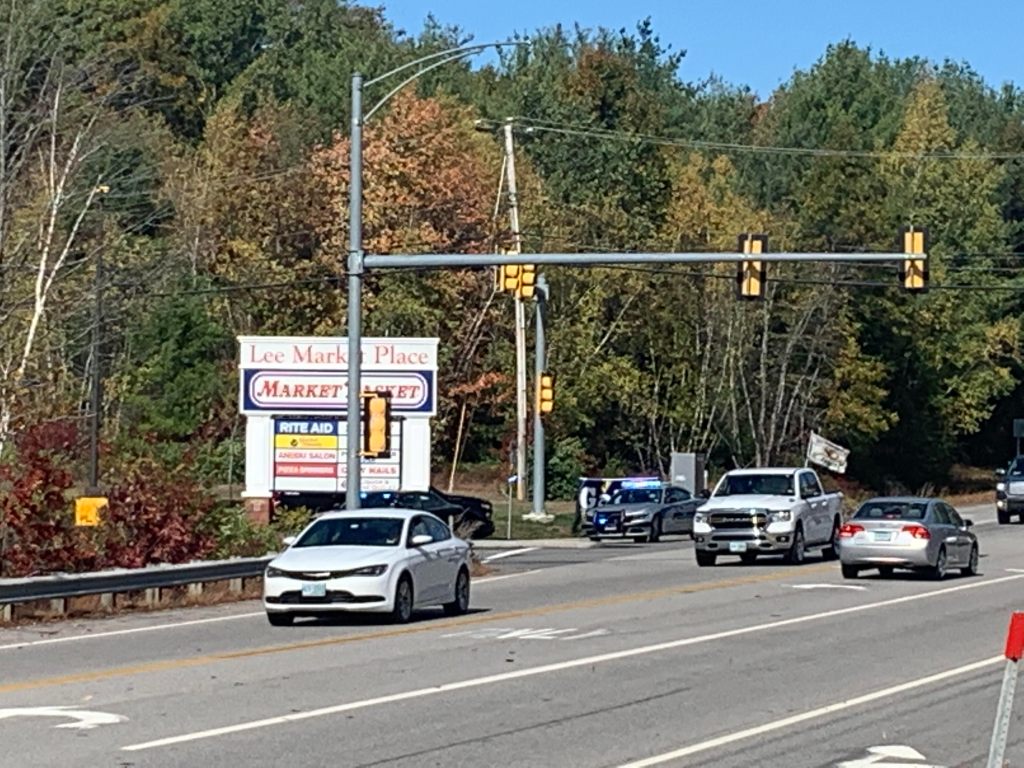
(510, 277)
(376, 425)
(752, 275)
(527, 281)
(914, 272)
(545, 392)
(518, 279)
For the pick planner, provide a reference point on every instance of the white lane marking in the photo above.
(193, 622)
(131, 631)
(557, 666)
(83, 719)
(489, 579)
(813, 714)
(878, 757)
(510, 553)
(1015, 570)
(826, 586)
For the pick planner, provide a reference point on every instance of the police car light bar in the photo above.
(641, 482)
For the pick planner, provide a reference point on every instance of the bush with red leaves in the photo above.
(37, 530)
(155, 514)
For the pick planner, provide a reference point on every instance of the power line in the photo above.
(534, 126)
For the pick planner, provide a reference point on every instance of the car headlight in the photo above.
(782, 516)
(700, 517)
(370, 570)
(1000, 486)
(274, 573)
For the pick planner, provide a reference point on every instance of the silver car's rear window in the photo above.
(892, 511)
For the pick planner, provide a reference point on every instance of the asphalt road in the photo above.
(613, 656)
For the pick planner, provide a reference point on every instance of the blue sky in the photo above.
(759, 44)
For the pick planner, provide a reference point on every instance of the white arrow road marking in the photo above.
(878, 757)
(827, 586)
(82, 718)
(510, 553)
(525, 633)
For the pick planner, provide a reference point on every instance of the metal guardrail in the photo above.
(128, 580)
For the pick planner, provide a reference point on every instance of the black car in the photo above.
(471, 520)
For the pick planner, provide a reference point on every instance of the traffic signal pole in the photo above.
(540, 365)
(520, 317)
(463, 260)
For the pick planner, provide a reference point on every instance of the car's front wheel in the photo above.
(655, 535)
(850, 571)
(460, 604)
(401, 613)
(280, 619)
(971, 569)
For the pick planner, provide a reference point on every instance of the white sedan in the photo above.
(369, 560)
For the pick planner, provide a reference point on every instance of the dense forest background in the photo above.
(189, 157)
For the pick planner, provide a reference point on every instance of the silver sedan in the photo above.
(922, 534)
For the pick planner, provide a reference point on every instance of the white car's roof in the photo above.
(766, 471)
(398, 513)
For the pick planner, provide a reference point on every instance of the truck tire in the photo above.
(831, 551)
(797, 550)
(705, 558)
(748, 558)
(1003, 516)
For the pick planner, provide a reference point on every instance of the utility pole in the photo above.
(96, 394)
(517, 246)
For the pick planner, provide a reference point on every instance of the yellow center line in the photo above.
(596, 602)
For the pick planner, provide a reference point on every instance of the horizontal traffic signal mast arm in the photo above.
(416, 260)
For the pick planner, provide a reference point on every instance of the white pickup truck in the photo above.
(771, 511)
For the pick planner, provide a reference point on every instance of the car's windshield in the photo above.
(892, 510)
(756, 485)
(353, 532)
(637, 496)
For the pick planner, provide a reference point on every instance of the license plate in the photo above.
(883, 536)
(318, 589)
(737, 546)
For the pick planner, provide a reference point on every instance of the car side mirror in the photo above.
(968, 523)
(1000, 473)
(289, 540)
(420, 540)
(706, 493)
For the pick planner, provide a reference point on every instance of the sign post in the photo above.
(1014, 652)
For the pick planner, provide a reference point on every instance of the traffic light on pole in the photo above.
(527, 281)
(510, 277)
(545, 392)
(914, 272)
(376, 425)
(752, 274)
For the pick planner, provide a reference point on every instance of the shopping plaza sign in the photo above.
(308, 375)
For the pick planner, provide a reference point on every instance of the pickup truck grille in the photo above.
(736, 520)
(1016, 488)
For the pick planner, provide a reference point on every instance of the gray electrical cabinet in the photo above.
(687, 470)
